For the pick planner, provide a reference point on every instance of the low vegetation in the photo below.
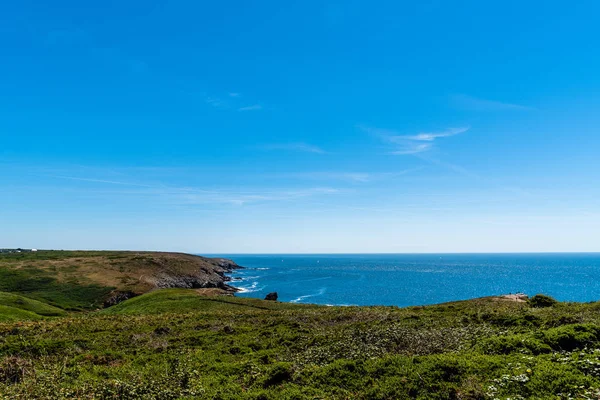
(181, 343)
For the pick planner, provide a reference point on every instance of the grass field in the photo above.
(197, 344)
(175, 343)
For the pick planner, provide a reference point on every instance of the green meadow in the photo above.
(175, 343)
(194, 344)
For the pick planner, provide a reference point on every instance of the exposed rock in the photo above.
(229, 265)
(193, 272)
(118, 297)
(272, 296)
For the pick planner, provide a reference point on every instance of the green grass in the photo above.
(186, 301)
(23, 303)
(10, 314)
(172, 344)
(14, 307)
(177, 344)
(42, 285)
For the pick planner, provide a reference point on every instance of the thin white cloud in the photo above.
(299, 146)
(411, 144)
(193, 196)
(412, 148)
(430, 136)
(233, 94)
(183, 195)
(110, 182)
(242, 198)
(215, 102)
(255, 107)
(472, 103)
(354, 177)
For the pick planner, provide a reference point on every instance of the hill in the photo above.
(75, 280)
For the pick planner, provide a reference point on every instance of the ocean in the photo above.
(415, 279)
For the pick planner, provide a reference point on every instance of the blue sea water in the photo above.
(415, 279)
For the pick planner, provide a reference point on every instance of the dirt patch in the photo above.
(517, 297)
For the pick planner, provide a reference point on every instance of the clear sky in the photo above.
(300, 126)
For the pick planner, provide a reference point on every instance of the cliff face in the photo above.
(186, 271)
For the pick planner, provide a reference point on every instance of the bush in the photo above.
(541, 300)
(280, 373)
(514, 344)
(571, 337)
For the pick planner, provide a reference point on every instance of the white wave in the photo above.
(306, 296)
(243, 278)
(250, 289)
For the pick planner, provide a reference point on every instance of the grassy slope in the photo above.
(9, 314)
(14, 307)
(187, 301)
(176, 344)
(76, 280)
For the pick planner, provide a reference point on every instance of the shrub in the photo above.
(541, 300)
(280, 373)
(571, 337)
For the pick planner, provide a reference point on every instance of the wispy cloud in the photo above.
(354, 177)
(216, 102)
(412, 148)
(298, 146)
(478, 104)
(184, 195)
(222, 196)
(252, 196)
(411, 144)
(255, 107)
(357, 177)
(231, 101)
(93, 180)
(429, 136)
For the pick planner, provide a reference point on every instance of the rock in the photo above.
(118, 297)
(227, 264)
(193, 273)
(271, 296)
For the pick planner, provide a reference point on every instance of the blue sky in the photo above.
(300, 126)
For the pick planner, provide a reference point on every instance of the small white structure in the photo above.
(33, 249)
